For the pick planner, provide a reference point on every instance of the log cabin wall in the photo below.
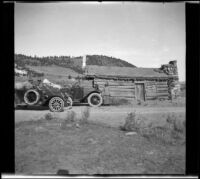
(127, 89)
(116, 88)
(134, 83)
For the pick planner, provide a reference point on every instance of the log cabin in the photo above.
(132, 83)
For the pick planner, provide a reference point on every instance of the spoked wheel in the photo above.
(69, 103)
(95, 100)
(56, 104)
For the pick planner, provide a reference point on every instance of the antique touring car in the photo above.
(54, 96)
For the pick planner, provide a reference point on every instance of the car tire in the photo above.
(95, 100)
(56, 104)
(31, 97)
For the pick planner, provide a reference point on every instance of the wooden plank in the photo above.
(150, 89)
(102, 80)
(162, 86)
(122, 94)
(118, 97)
(99, 83)
(160, 94)
(150, 83)
(161, 83)
(123, 87)
(150, 97)
(130, 97)
(121, 84)
(163, 97)
(121, 90)
(162, 91)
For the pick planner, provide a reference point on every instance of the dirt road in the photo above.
(109, 115)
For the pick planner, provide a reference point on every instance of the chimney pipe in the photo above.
(84, 61)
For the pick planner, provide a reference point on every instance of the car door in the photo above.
(77, 93)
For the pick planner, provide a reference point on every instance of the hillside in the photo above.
(59, 69)
(75, 63)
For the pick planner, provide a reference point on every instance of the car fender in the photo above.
(95, 91)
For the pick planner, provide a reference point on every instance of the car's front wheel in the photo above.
(95, 100)
(56, 104)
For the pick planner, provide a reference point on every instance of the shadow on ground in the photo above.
(26, 107)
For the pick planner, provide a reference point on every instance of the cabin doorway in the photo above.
(140, 95)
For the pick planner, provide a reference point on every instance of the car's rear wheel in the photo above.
(95, 100)
(31, 97)
(56, 104)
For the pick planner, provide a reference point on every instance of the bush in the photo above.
(48, 116)
(71, 116)
(172, 132)
(85, 115)
(174, 123)
(132, 123)
(70, 120)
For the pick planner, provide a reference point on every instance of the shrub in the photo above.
(48, 116)
(132, 123)
(85, 115)
(70, 120)
(174, 123)
(172, 132)
(71, 116)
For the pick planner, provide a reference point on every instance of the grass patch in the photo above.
(172, 132)
(48, 116)
(85, 115)
(71, 119)
(42, 147)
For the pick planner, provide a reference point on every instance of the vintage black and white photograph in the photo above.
(99, 88)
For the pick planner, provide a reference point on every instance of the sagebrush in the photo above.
(132, 123)
(172, 132)
(85, 115)
(48, 116)
(69, 121)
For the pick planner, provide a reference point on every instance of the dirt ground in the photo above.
(43, 147)
(111, 115)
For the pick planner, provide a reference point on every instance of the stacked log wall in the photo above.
(150, 88)
(162, 90)
(126, 89)
(117, 88)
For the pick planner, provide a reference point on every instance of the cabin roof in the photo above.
(94, 70)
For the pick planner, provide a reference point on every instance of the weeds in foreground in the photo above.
(48, 116)
(172, 132)
(85, 115)
(72, 121)
(132, 123)
(69, 121)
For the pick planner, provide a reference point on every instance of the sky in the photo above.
(144, 34)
